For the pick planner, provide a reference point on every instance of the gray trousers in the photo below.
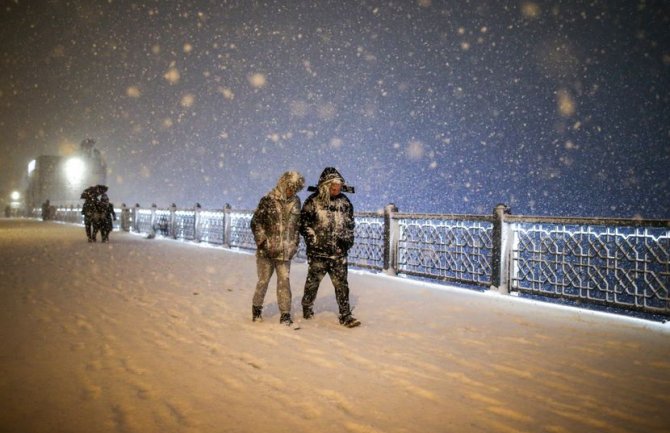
(265, 268)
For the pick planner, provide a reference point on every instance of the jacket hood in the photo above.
(329, 175)
(292, 180)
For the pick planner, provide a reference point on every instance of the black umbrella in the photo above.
(94, 191)
(89, 192)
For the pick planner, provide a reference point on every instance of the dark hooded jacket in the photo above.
(105, 214)
(327, 223)
(275, 221)
(90, 203)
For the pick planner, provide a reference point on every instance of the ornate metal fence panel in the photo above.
(368, 249)
(626, 267)
(448, 249)
(210, 227)
(144, 220)
(240, 230)
(70, 215)
(185, 224)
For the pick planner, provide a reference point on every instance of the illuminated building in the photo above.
(61, 179)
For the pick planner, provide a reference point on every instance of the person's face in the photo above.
(335, 189)
(290, 192)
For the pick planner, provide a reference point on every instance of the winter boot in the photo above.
(307, 313)
(256, 314)
(349, 321)
(285, 319)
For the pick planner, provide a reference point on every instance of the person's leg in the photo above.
(94, 231)
(315, 273)
(338, 272)
(103, 232)
(264, 269)
(283, 286)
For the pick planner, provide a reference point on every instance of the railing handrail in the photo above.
(587, 221)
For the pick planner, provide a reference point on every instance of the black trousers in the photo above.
(338, 270)
(87, 225)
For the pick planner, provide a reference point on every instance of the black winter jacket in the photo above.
(328, 229)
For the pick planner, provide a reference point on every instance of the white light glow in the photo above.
(31, 167)
(74, 171)
(15, 195)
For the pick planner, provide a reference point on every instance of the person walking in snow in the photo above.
(106, 214)
(89, 209)
(275, 225)
(45, 210)
(327, 225)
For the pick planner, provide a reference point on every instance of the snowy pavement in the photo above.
(155, 336)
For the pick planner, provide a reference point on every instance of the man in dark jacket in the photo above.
(88, 210)
(106, 214)
(327, 224)
(275, 228)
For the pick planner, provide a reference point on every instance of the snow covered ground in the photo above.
(155, 336)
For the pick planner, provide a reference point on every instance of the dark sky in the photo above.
(554, 107)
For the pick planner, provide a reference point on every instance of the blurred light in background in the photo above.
(74, 171)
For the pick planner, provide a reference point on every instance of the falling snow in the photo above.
(554, 108)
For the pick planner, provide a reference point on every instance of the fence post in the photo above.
(172, 228)
(499, 250)
(196, 222)
(226, 225)
(391, 234)
(152, 229)
(136, 222)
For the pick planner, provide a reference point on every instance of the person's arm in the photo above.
(307, 218)
(258, 221)
(347, 240)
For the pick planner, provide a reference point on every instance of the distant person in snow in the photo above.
(275, 225)
(327, 224)
(88, 210)
(104, 216)
(45, 210)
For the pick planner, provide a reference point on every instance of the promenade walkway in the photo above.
(155, 336)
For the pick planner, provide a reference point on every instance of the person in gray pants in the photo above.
(275, 226)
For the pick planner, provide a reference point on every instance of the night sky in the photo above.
(556, 108)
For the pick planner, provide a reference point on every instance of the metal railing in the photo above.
(622, 263)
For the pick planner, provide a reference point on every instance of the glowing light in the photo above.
(257, 80)
(31, 167)
(74, 170)
(133, 92)
(566, 103)
(15, 195)
(172, 75)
